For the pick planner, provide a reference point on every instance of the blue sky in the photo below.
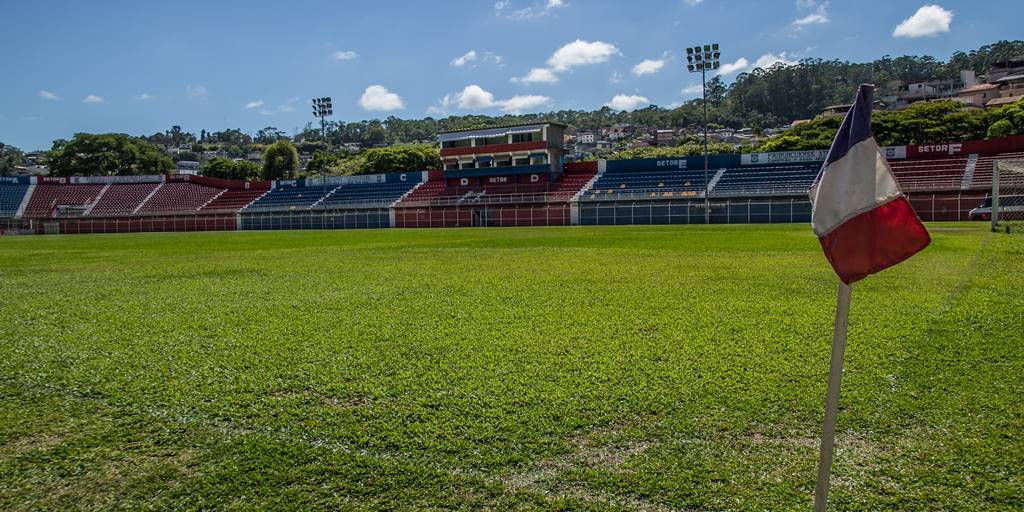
(140, 67)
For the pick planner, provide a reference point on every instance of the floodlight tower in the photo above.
(704, 59)
(322, 107)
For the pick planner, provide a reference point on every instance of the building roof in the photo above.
(1003, 101)
(1011, 78)
(979, 88)
(519, 125)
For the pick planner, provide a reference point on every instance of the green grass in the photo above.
(653, 368)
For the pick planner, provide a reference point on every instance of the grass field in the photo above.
(651, 368)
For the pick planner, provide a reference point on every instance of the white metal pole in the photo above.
(995, 195)
(835, 376)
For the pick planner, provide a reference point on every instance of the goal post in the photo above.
(1006, 206)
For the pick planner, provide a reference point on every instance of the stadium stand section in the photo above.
(12, 193)
(179, 197)
(335, 203)
(944, 173)
(52, 195)
(234, 199)
(942, 181)
(290, 196)
(122, 199)
(529, 198)
(983, 171)
(766, 180)
(644, 179)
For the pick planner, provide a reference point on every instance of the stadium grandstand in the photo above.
(509, 176)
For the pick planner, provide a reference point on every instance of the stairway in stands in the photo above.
(968, 179)
(590, 183)
(24, 201)
(714, 180)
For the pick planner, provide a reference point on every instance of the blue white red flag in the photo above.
(864, 222)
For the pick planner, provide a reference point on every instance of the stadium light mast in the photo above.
(703, 59)
(322, 108)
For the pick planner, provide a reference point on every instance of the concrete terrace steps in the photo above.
(88, 209)
(590, 184)
(148, 197)
(212, 199)
(968, 178)
(714, 180)
(24, 200)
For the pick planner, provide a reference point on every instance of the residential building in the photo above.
(978, 95)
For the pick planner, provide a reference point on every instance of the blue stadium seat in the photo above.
(780, 179)
(11, 196)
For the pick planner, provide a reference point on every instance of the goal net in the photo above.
(1006, 206)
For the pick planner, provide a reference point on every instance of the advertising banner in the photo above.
(92, 180)
(1009, 144)
(784, 157)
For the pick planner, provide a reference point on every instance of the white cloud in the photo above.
(581, 53)
(692, 3)
(615, 78)
(474, 97)
(765, 61)
(92, 98)
(143, 97)
(47, 95)
(690, 90)
(196, 92)
(345, 55)
(531, 9)
(929, 20)
(378, 97)
(734, 67)
(463, 59)
(648, 67)
(627, 102)
(818, 17)
(517, 104)
(537, 76)
(254, 104)
(442, 107)
(770, 59)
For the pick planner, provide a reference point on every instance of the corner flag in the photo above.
(864, 222)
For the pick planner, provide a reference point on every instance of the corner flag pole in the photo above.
(835, 376)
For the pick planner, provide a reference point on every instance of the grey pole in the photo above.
(835, 376)
(704, 100)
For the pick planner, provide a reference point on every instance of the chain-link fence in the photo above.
(88, 225)
(324, 219)
(765, 211)
(484, 216)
